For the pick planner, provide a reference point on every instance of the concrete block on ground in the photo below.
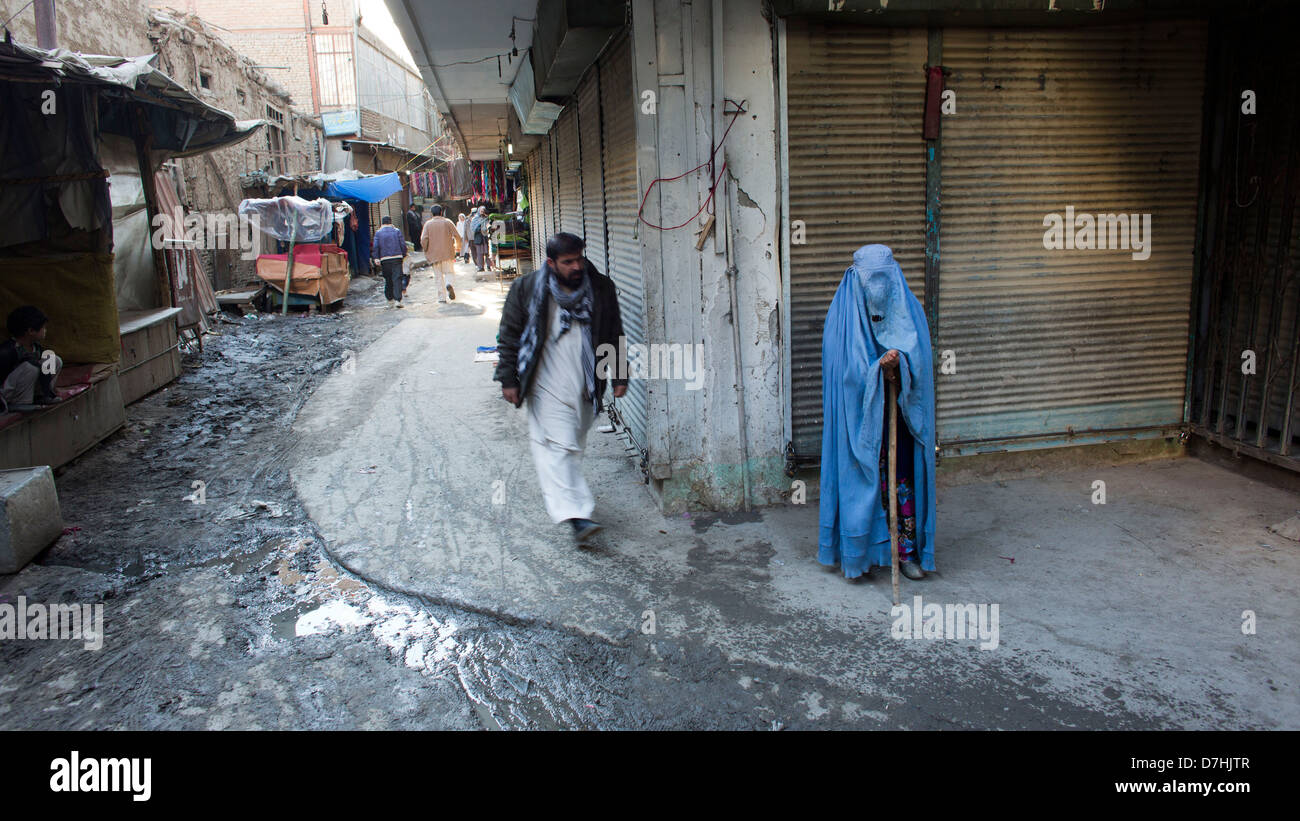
(29, 515)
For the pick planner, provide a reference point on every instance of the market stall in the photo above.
(312, 272)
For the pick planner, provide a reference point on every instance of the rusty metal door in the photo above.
(1053, 339)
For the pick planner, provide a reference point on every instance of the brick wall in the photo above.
(274, 33)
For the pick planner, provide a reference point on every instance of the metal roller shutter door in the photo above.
(568, 174)
(593, 184)
(538, 237)
(855, 99)
(1054, 343)
(548, 189)
(621, 201)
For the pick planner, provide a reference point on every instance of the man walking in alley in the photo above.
(478, 236)
(441, 243)
(390, 249)
(876, 334)
(554, 321)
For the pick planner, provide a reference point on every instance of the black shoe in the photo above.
(584, 529)
(451, 294)
(911, 570)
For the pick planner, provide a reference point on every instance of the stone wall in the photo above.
(192, 53)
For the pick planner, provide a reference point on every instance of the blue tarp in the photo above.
(369, 189)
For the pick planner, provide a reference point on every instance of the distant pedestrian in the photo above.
(390, 249)
(554, 321)
(414, 223)
(441, 243)
(462, 228)
(478, 236)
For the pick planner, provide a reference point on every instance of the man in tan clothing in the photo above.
(441, 243)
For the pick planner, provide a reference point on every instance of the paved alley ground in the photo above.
(371, 551)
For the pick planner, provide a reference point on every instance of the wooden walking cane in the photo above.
(893, 484)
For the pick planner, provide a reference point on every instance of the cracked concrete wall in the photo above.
(696, 454)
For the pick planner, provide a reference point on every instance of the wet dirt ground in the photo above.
(223, 610)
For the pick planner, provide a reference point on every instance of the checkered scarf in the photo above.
(573, 306)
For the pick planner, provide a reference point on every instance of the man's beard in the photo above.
(571, 281)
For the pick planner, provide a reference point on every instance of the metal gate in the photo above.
(621, 201)
(1041, 346)
(567, 175)
(1247, 359)
(855, 97)
(593, 183)
(1060, 344)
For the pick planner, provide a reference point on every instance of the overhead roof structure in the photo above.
(464, 53)
(181, 123)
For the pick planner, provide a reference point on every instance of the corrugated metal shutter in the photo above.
(593, 183)
(393, 208)
(568, 179)
(548, 189)
(1108, 121)
(855, 100)
(535, 226)
(621, 201)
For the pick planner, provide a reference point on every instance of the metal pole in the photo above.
(735, 346)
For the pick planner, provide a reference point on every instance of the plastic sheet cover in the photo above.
(290, 218)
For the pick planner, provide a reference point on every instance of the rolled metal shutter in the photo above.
(855, 99)
(536, 229)
(593, 183)
(621, 200)
(1057, 343)
(548, 189)
(568, 174)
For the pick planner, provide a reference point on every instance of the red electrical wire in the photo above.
(712, 188)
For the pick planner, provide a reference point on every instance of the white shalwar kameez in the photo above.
(558, 420)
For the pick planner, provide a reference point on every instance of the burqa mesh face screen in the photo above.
(884, 285)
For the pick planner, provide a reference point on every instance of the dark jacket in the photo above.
(387, 242)
(11, 356)
(414, 225)
(606, 328)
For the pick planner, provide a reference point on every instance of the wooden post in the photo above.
(893, 485)
(288, 268)
(143, 137)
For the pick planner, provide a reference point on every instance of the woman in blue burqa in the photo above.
(876, 331)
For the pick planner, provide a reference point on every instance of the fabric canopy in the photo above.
(181, 124)
(368, 189)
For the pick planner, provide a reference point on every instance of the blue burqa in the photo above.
(872, 312)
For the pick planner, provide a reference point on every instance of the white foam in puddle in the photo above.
(336, 612)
